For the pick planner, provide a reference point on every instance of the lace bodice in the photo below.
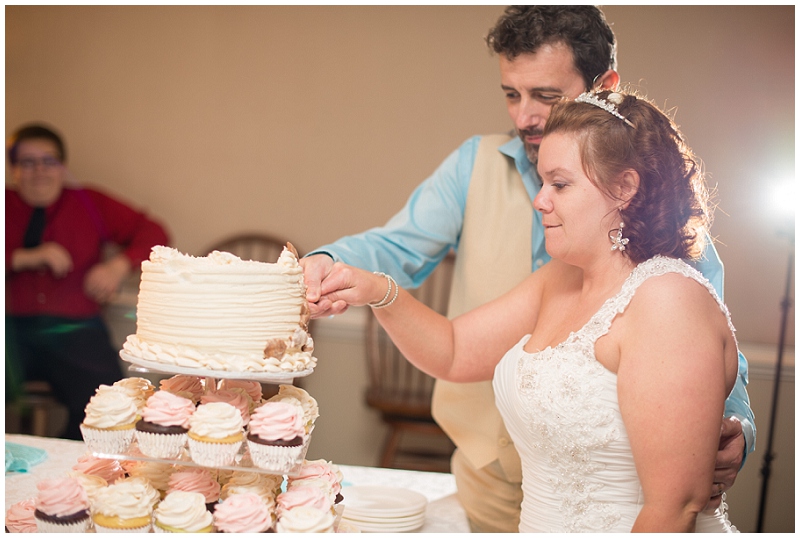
(560, 407)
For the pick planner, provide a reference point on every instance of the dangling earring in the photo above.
(617, 241)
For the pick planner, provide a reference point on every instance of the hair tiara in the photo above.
(609, 105)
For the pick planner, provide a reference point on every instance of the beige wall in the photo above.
(316, 122)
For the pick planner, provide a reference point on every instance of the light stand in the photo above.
(766, 469)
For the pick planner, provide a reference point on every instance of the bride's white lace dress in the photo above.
(560, 407)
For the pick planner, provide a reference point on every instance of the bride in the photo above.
(616, 325)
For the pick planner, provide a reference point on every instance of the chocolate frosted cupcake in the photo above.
(165, 420)
(276, 436)
(61, 506)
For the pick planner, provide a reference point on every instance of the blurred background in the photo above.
(311, 123)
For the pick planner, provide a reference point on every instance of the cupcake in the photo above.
(276, 436)
(196, 480)
(183, 511)
(188, 386)
(125, 506)
(236, 397)
(156, 473)
(20, 518)
(215, 434)
(148, 491)
(252, 388)
(107, 469)
(303, 496)
(110, 420)
(138, 388)
(242, 513)
(305, 519)
(61, 506)
(325, 470)
(263, 485)
(165, 420)
(309, 404)
(91, 484)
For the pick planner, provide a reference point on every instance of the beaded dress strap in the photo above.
(600, 323)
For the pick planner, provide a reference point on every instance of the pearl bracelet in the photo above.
(383, 302)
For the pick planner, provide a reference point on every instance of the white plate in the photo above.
(358, 516)
(262, 377)
(382, 501)
(389, 527)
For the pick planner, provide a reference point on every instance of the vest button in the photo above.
(41, 298)
(539, 262)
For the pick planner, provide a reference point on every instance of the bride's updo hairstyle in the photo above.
(669, 213)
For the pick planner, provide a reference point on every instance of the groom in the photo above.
(479, 201)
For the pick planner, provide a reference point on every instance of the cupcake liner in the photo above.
(80, 526)
(107, 441)
(158, 528)
(338, 510)
(102, 528)
(160, 445)
(279, 459)
(213, 454)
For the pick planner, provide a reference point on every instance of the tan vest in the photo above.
(494, 255)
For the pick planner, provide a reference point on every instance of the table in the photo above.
(444, 512)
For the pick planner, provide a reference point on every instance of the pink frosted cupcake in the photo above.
(242, 513)
(165, 420)
(61, 506)
(236, 397)
(188, 386)
(196, 480)
(215, 434)
(276, 436)
(20, 518)
(107, 469)
(111, 417)
(304, 496)
(324, 470)
(252, 388)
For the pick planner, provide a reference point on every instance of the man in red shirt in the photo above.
(56, 275)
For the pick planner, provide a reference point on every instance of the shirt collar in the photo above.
(515, 149)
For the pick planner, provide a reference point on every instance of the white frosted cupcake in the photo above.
(238, 398)
(183, 511)
(125, 506)
(215, 434)
(61, 506)
(263, 485)
(276, 436)
(305, 519)
(138, 388)
(165, 420)
(110, 422)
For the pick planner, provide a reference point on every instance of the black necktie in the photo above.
(33, 233)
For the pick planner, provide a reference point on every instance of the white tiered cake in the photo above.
(222, 313)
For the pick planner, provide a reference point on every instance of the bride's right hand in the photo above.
(347, 286)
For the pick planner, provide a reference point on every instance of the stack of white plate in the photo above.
(383, 509)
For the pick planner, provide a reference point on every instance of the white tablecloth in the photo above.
(444, 513)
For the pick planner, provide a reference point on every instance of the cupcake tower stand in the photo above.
(242, 460)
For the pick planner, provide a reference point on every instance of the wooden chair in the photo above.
(252, 246)
(402, 393)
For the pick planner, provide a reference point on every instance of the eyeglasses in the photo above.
(29, 163)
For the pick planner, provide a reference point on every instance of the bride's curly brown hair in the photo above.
(669, 214)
